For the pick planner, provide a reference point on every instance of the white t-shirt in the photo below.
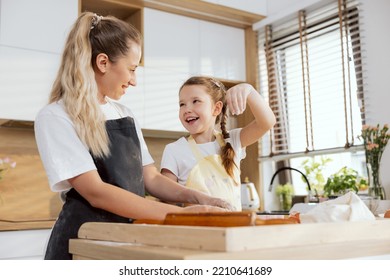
(63, 154)
(179, 158)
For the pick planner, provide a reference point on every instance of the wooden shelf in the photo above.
(190, 8)
(128, 11)
(7, 226)
(206, 11)
(120, 9)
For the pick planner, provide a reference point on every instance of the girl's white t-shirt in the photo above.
(63, 154)
(179, 158)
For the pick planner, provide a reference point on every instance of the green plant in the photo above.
(286, 189)
(313, 170)
(285, 193)
(375, 140)
(344, 180)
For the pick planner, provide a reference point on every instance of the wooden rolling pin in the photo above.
(217, 219)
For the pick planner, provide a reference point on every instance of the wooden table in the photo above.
(296, 241)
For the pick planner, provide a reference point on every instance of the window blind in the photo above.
(311, 73)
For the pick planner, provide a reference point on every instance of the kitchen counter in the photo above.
(26, 225)
(24, 240)
(293, 241)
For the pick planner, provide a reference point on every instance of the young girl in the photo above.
(208, 160)
(91, 147)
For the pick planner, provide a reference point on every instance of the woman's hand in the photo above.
(236, 98)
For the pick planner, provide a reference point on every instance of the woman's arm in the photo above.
(124, 203)
(167, 189)
(119, 201)
(237, 98)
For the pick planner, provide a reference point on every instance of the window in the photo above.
(311, 73)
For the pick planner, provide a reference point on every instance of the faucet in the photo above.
(290, 168)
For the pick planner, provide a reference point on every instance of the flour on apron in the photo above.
(122, 168)
(210, 177)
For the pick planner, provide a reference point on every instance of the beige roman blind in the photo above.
(312, 74)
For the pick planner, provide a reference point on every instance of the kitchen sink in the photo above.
(273, 212)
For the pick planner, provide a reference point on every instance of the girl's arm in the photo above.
(237, 98)
(164, 188)
(169, 174)
(124, 203)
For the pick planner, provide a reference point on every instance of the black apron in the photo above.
(122, 168)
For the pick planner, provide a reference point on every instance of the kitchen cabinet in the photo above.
(161, 110)
(128, 11)
(23, 244)
(135, 97)
(222, 53)
(25, 81)
(171, 42)
(175, 47)
(193, 47)
(172, 54)
(32, 35)
(40, 25)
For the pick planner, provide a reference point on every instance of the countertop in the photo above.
(27, 225)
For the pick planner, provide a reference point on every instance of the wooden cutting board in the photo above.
(217, 219)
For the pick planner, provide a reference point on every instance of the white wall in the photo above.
(375, 40)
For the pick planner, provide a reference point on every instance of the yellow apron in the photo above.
(210, 177)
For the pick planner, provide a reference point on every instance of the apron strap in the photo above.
(219, 137)
(196, 151)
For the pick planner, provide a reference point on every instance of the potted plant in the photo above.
(375, 139)
(314, 168)
(343, 181)
(285, 193)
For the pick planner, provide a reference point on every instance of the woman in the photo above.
(91, 147)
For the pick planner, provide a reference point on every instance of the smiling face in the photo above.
(113, 78)
(197, 111)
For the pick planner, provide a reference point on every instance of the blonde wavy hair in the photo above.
(217, 91)
(75, 83)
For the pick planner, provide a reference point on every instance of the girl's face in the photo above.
(197, 110)
(114, 78)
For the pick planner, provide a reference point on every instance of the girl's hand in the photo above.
(236, 98)
(204, 199)
(203, 208)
